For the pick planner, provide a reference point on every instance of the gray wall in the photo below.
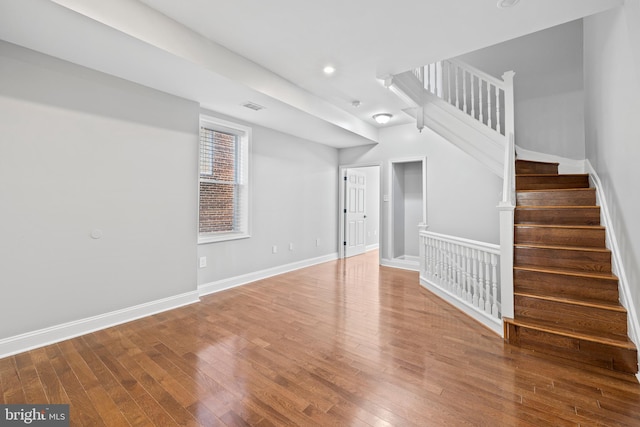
(462, 195)
(294, 200)
(548, 86)
(79, 151)
(612, 84)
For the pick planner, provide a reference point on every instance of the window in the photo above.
(224, 180)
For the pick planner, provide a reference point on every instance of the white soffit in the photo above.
(164, 55)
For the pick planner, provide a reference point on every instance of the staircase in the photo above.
(566, 301)
(471, 109)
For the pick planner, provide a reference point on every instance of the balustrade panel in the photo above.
(466, 270)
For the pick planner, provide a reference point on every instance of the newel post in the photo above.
(506, 258)
(507, 208)
(509, 124)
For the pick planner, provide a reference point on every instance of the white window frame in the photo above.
(243, 133)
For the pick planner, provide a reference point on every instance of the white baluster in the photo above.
(449, 81)
(468, 274)
(455, 71)
(494, 285)
(498, 127)
(447, 248)
(473, 96)
(454, 262)
(464, 91)
(434, 261)
(474, 282)
(489, 111)
(459, 276)
(447, 258)
(487, 283)
(481, 295)
(440, 267)
(439, 78)
(428, 261)
(480, 104)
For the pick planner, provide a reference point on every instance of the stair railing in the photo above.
(479, 95)
(464, 272)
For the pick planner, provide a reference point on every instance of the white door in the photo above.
(355, 216)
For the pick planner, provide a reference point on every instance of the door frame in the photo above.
(390, 229)
(341, 201)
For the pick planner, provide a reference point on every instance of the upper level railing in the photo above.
(479, 95)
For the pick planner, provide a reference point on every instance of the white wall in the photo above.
(294, 200)
(80, 151)
(548, 86)
(462, 195)
(612, 85)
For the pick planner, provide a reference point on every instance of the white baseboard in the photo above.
(30, 340)
(405, 264)
(232, 282)
(618, 268)
(373, 247)
(468, 309)
(566, 165)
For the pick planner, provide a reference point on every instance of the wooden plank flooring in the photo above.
(343, 343)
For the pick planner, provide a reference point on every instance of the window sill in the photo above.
(220, 237)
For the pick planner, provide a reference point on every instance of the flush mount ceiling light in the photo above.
(329, 70)
(382, 118)
(507, 3)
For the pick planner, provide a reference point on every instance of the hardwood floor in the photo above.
(342, 343)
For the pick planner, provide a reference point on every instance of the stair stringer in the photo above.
(471, 136)
(633, 322)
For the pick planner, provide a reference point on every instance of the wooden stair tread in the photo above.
(552, 174)
(566, 248)
(539, 162)
(603, 305)
(567, 272)
(557, 207)
(612, 340)
(581, 227)
(558, 189)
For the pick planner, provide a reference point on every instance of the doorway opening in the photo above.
(407, 211)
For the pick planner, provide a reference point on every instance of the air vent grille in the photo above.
(253, 106)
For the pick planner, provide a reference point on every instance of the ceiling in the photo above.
(225, 53)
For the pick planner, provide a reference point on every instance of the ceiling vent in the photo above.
(253, 106)
(507, 3)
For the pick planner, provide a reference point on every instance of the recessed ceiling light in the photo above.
(507, 3)
(382, 118)
(329, 69)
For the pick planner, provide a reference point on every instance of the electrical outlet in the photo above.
(290, 246)
(317, 242)
(203, 261)
(274, 249)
